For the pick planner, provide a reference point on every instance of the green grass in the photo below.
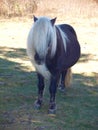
(77, 110)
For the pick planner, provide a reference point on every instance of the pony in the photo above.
(53, 50)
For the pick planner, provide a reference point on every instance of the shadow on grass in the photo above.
(18, 93)
(14, 81)
(13, 53)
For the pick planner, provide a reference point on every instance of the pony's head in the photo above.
(42, 38)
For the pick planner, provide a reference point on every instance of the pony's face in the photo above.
(43, 36)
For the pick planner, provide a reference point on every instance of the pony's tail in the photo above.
(68, 78)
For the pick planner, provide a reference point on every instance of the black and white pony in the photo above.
(52, 49)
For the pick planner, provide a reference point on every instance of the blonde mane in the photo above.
(40, 35)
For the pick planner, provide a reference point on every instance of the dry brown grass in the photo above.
(64, 8)
(13, 8)
(68, 8)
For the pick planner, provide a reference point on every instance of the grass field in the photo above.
(78, 109)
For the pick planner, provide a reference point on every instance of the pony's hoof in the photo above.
(37, 105)
(52, 112)
(62, 88)
(52, 109)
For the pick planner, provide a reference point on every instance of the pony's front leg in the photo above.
(38, 102)
(52, 90)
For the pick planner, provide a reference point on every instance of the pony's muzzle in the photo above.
(38, 59)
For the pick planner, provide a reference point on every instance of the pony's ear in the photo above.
(53, 21)
(35, 18)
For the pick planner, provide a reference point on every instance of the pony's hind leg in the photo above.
(38, 102)
(62, 86)
(66, 78)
